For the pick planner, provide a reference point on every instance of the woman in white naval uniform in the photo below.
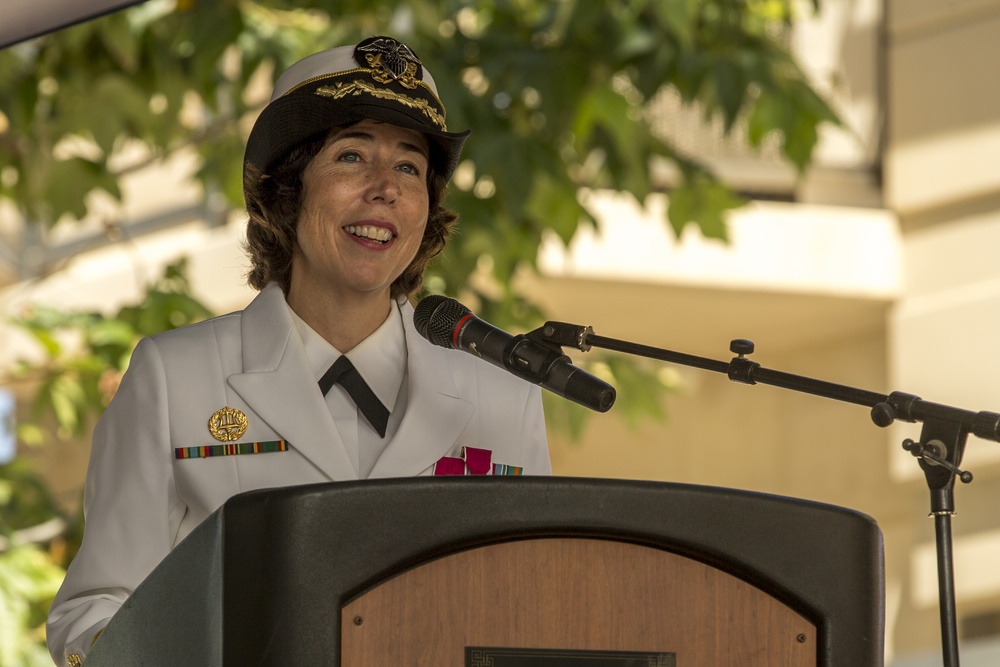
(344, 174)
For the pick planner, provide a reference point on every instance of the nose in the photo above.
(383, 186)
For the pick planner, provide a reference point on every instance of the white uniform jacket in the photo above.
(141, 501)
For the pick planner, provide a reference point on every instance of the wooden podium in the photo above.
(511, 572)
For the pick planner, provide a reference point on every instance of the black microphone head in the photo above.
(436, 317)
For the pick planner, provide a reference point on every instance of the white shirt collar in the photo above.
(380, 358)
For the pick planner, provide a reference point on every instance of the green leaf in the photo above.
(768, 115)
(116, 35)
(68, 402)
(556, 205)
(45, 338)
(68, 183)
(25, 500)
(565, 416)
(642, 384)
(680, 17)
(30, 434)
(729, 90)
(111, 333)
(116, 106)
(704, 202)
(800, 139)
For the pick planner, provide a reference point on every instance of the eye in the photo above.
(349, 156)
(410, 168)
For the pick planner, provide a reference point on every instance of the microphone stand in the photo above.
(939, 451)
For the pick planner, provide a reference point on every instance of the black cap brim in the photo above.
(302, 115)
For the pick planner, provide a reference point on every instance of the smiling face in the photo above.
(364, 210)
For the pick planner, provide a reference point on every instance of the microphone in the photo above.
(446, 322)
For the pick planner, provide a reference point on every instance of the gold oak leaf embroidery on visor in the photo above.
(339, 90)
(384, 74)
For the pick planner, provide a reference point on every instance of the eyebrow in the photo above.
(363, 134)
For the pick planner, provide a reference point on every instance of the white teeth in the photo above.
(379, 234)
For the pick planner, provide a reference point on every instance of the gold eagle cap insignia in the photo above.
(390, 60)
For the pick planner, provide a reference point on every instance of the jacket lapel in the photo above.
(435, 414)
(278, 385)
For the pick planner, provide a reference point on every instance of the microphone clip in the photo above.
(562, 334)
(532, 357)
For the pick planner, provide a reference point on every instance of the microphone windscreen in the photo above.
(436, 316)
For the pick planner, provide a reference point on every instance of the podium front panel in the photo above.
(583, 597)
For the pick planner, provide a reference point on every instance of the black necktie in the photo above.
(343, 371)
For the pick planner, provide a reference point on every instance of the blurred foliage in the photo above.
(24, 499)
(86, 353)
(28, 582)
(29, 575)
(556, 91)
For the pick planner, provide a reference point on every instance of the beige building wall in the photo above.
(942, 178)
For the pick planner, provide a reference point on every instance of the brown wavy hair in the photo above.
(274, 200)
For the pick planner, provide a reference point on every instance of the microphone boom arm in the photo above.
(885, 408)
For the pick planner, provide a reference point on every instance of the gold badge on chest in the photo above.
(227, 424)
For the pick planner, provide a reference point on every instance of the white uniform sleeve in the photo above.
(131, 506)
